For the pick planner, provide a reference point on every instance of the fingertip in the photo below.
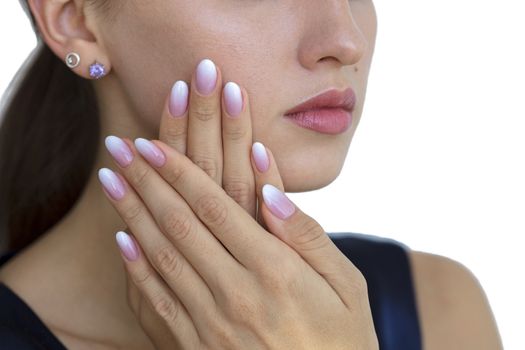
(178, 99)
(206, 78)
(127, 246)
(260, 156)
(233, 99)
(278, 202)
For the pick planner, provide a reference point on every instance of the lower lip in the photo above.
(326, 120)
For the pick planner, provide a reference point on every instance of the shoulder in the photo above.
(453, 308)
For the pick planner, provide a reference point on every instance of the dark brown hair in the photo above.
(49, 132)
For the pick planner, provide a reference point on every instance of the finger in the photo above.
(237, 174)
(160, 298)
(301, 232)
(204, 144)
(266, 171)
(247, 241)
(177, 221)
(174, 120)
(134, 296)
(167, 260)
(153, 325)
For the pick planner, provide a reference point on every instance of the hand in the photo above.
(203, 128)
(191, 122)
(220, 280)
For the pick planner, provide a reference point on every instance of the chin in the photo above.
(300, 178)
(311, 161)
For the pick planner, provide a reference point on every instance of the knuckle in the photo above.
(176, 224)
(141, 278)
(174, 131)
(281, 279)
(235, 133)
(174, 134)
(246, 308)
(167, 261)
(290, 266)
(175, 176)
(138, 177)
(309, 235)
(208, 165)
(225, 337)
(133, 213)
(204, 111)
(167, 308)
(211, 210)
(239, 190)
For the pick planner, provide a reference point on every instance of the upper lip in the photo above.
(329, 99)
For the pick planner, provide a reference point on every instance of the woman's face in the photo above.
(282, 52)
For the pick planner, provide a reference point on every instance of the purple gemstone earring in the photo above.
(97, 70)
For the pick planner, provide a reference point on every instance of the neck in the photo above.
(79, 266)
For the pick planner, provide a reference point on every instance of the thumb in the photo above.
(306, 236)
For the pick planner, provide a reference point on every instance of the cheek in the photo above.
(148, 56)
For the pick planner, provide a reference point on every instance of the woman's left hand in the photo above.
(225, 281)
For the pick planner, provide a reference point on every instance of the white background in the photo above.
(437, 161)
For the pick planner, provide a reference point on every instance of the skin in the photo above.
(324, 46)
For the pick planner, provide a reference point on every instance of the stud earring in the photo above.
(72, 59)
(97, 70)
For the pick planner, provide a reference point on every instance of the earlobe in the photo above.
(62, 27)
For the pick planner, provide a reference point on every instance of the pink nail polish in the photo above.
(206, 76)
(127, 245)
(233, 99)
(151, 152)
(260, 156)
(178, 99)
(111, 183)
(277, 202)
(119, 150)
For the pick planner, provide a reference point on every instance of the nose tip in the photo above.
(349, 47)
(333, 35)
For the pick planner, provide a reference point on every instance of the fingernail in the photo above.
(233, 99)
(206, 76)
(260, 156)
(277, 202)
(111, 183)
(127, 245)
(178, 99)
(119, 150)
(151, 152)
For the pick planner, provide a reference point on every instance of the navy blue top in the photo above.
(383, 262)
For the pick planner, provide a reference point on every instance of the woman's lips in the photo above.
(323, 120)
(329, 112)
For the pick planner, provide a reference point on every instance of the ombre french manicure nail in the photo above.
(178, 99)
(112, 184)
(206, 76)
(119, 150)
(277, 202)
(233, 99)
(260, 156)
(127, 246)
(150, 151)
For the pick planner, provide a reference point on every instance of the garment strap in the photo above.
(385, 265)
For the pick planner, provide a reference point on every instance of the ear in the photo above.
(63, 27)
